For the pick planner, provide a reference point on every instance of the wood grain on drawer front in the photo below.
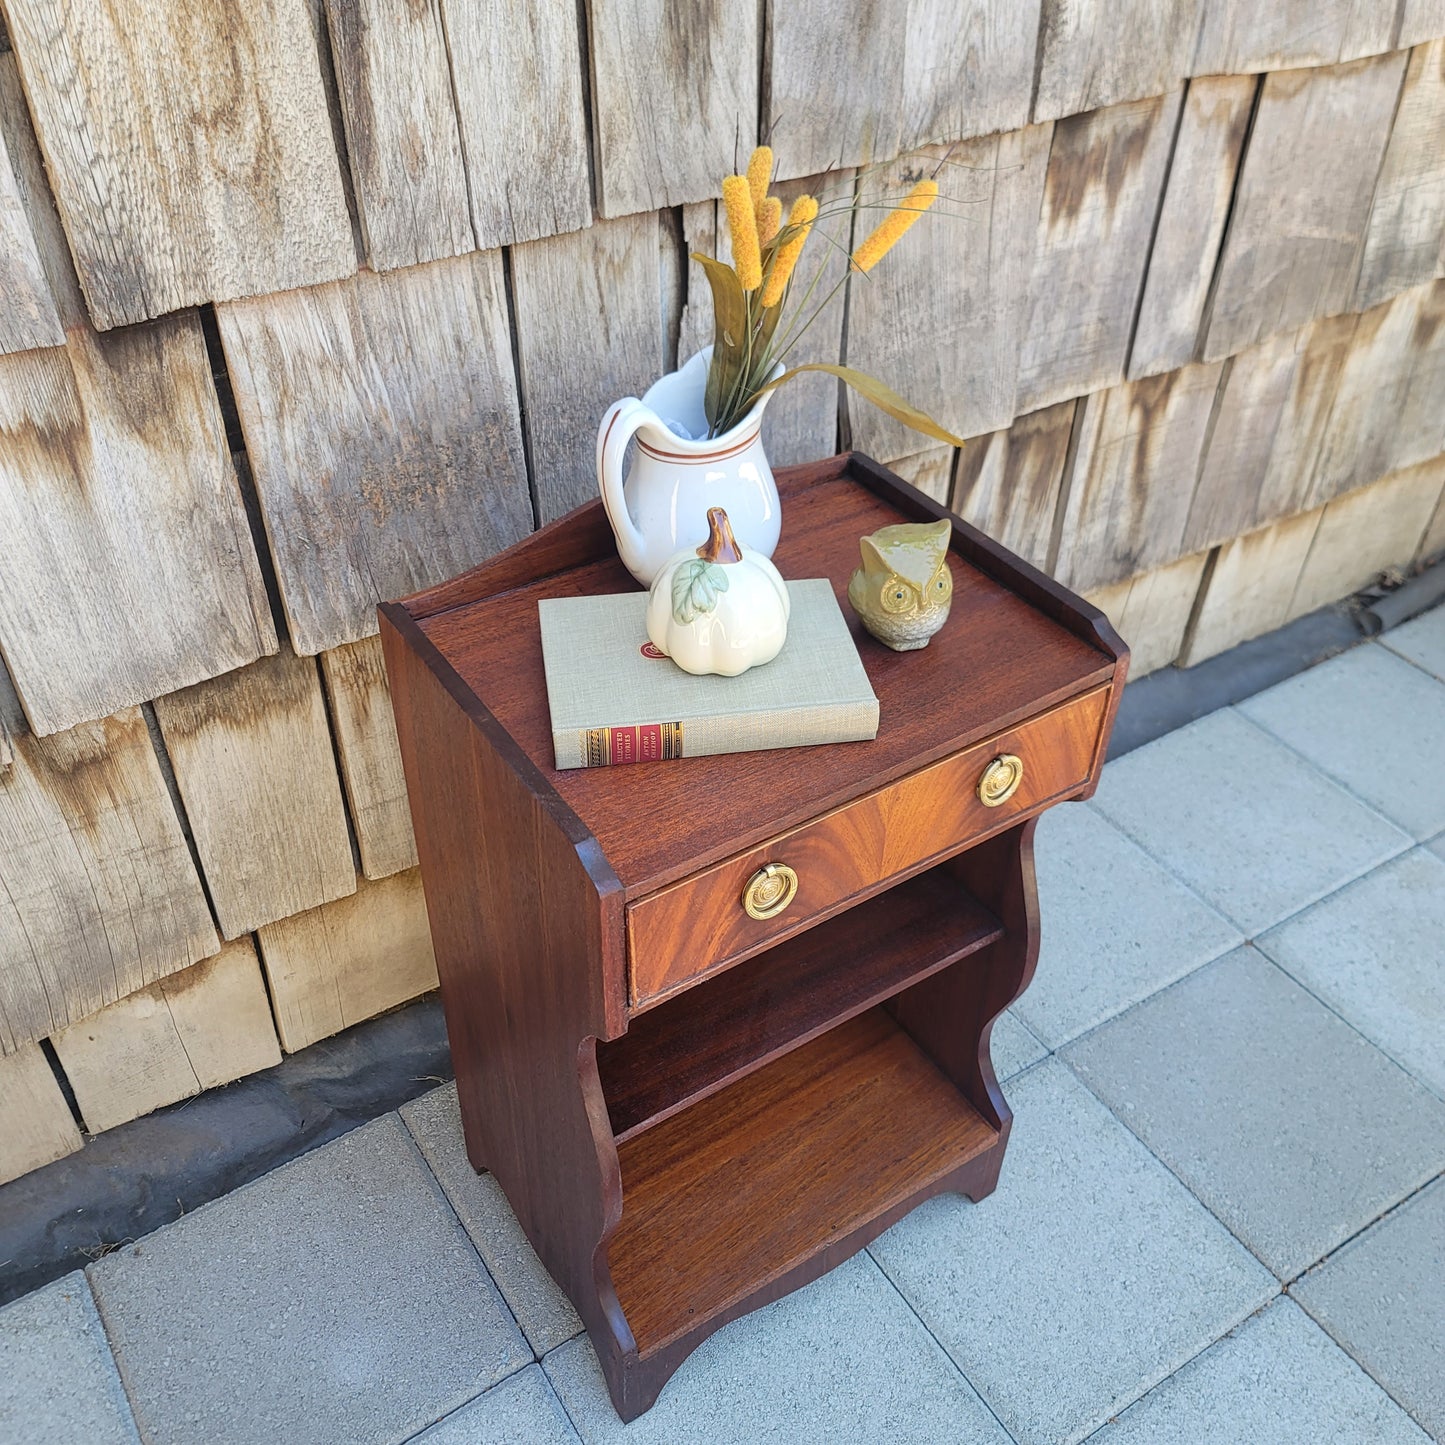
(695, 927)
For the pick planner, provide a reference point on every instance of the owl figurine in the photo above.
(904, 588)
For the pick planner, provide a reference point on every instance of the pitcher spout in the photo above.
(679, 400)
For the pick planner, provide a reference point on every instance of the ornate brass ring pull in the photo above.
(769, 891)
(1000, 780)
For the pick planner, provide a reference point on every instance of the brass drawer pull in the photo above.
(1000, 780)
(770, 890)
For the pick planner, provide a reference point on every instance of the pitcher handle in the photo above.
(622, 420)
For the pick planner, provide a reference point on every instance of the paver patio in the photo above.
(1222, 1214)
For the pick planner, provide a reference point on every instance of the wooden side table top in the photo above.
(1015, 643)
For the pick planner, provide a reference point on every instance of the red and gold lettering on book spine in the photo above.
(650, 743)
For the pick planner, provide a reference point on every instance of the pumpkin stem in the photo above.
(721, 545)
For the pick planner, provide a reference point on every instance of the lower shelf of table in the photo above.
(747, 1184)
(739, 1020)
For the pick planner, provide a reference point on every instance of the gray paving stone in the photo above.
(842, 1360)
(1422, 640)
(1116, 927)
(542, 1310)
(1085, 1279)
(1375, 952)
(1382, 1297)
(1277, 1379)
(1372, 721)
(1243, 820)
(58, 1383)
(334, 1300)
(521, 1409)
(1293, 1129)
(1013, 1046)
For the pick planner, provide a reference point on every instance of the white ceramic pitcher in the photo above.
(662, 505)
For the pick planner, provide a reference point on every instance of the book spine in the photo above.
(736, 733)
(610, 747)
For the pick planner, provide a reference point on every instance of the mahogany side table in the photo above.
(694, 1110)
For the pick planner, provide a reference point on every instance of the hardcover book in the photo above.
(616, 699)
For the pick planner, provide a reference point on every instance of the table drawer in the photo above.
(693, 928)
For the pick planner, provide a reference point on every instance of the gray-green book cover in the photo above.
(616, 699)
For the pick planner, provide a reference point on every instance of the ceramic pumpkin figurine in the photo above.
(904, 588)
(717, 609)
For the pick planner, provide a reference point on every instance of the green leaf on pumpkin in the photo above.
(695, 588)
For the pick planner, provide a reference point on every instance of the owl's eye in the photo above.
(897, 596)
(942, 583)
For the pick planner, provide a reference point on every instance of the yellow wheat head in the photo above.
(800, 222)
(760, 172)
(891, 229)
(770, 218)
(743, 231)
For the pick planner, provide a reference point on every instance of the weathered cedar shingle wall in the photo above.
(314, 302)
